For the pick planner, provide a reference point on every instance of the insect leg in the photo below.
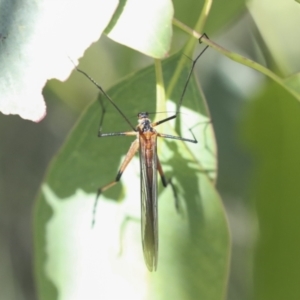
(100, 134)
(105, 94)
(131, 152)
(185, 86)
(167, 182)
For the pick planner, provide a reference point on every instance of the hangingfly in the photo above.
(146, 143)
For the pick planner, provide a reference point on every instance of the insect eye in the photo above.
(145, 115)
(142, 115)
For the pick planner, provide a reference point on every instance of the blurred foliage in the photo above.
(256, 126)
(271, 130)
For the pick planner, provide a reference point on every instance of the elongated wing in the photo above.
(148, 163)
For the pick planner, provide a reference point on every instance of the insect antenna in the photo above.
(106, 95)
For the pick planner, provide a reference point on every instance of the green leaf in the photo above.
(105, 262)
(220, 15)
(293, 82)
(35, 42)
(272, 132)
(145, 26)
(271, 18)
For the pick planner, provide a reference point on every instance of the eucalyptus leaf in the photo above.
(35, 42)
(271, 131)
(75, 261)
(145, 26)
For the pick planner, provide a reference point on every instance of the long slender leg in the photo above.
(167, 182)
(174, 137)
(180, 101)
(206, 123)
(163, 121)
(131, 152)
(106, 95)
(190, 74)
(190, 140)
(101, 134)
(200, 39)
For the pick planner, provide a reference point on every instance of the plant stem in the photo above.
(238, 58)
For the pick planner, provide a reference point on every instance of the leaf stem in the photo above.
(238, 58)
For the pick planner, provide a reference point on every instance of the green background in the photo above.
(256, 127)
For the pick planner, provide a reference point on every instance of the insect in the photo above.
(146, 143)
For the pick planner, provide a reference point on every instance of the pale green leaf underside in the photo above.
(36, 39)
(145, 26)
(76, 261)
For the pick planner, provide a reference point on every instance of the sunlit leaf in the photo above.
(106, 262)
(36, 40)
(143, 25)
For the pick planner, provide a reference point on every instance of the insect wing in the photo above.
(148, 165)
